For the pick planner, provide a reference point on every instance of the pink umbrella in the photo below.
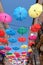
(32, 37)
(7, 48)
(4, 17)
(17, 54)
(11, 57)
(2, 51)
(24, 53)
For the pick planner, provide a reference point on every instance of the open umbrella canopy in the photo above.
(16, 48)
(7, 48)
(3, 40)
(9, 53)
(35, 28)
(35, 10)
(2, 47)
(30, 50)
(21, 39)
(2, 51)
(24, 53)
(31, 43)
(24, 46)
(11, 57)
(6, 18)
(12, 40)
(22, 30)
(17, 54)
(32, 37)
(20, 13)
(2, 33)
(10, 31)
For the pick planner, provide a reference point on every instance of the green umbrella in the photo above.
(9, 53)
(22, 30)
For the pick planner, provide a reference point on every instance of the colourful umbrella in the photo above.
(24, 53)
(35, 28)
(9, 53)
(2, 47)
(30, 50)
(32, 37)
(20, 13)
(10, 56)
(10, 31)
(35, 10)
(31, 43)
(17, 54)
(16, 48)
(3, 40)
(2, 33)
(4, 17)
(12, 40)
(24, 46)
(2, 51)
(21, 39)
(7, 48)
(22, 30)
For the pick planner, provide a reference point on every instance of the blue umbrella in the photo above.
(1, 47)
(3, 55)
(20, 13)
(16, 48)
(28, 54)
(10, 31)
(12, 40)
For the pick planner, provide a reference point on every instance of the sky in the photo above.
(9, 6)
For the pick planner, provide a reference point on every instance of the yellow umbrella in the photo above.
(30, 50)
(24, 46)
(35, 10)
